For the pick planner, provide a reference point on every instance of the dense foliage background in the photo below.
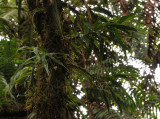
(61, 57)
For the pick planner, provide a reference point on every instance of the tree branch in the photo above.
(88, 11)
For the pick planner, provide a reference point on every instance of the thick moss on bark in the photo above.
(48, 97)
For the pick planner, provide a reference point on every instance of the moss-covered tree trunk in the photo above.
(49, 97)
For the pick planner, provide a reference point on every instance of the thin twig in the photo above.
(88, 11)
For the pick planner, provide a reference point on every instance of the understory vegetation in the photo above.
(73, 59)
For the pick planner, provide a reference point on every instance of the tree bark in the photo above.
(13, 114)
(48, 96)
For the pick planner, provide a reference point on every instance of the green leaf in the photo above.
(102, 10)
(70, 16)
(19, 10)
(101, 49)
(36, 51)
(45, 64)
(122, 27)
(126, 18)
(83, 86)
(55, 60)
(32, 74)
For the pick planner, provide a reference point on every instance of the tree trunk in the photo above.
(13, 114)
(48, 96)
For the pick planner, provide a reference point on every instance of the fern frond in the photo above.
(105, 114)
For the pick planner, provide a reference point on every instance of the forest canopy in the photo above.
(61, 57)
